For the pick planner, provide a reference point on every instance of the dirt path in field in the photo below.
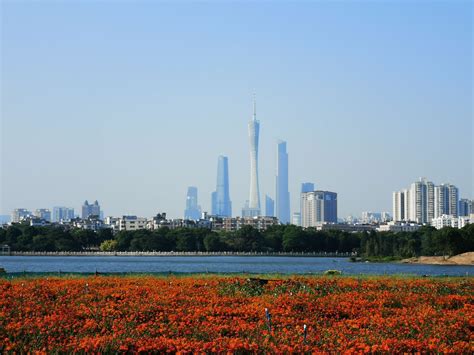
(461, 259)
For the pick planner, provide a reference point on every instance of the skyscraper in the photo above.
(424, 201)
(282, 193)
(269, 206)
(253, 208)
(421, 201)
(466, 207)
(221, 204)
(193, 210)
(446, 200)
(90, 209)
(43, 213)
(62, 214)
(318, 207)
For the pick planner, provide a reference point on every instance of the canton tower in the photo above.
(254, 128)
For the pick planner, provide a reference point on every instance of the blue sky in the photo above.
(131, 102)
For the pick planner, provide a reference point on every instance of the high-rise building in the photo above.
(424, 201)
(307, 187)
(253, 208)
(62, 214)
(398, 201)
(282, 193)
(318, 207)
(269, 206)
(221, 204)
(90, 209)
(466, 207)
(44, 214)
(193, 210)
(19, 214)
(421, 208)
(446, 200)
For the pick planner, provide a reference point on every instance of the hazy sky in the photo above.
(130, 102)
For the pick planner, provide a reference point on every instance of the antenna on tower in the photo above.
(254, 106)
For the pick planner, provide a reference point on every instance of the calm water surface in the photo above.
(219, 264)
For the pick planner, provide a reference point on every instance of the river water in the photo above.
(219, 264)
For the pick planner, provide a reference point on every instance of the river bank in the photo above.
(461, 259)
(173, 253)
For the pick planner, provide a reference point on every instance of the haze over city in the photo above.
(131, 103)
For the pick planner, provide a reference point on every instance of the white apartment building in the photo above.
(318, 207)
(131, 223)
(451, 221)
(20, 214)
(446, 200)
(424, 201)
(398, 227)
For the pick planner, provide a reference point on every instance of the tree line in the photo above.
(283, 238)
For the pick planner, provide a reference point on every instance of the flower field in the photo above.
(217, 314)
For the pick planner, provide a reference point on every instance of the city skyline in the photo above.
(145, 113)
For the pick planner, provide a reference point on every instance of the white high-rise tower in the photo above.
(253, 208)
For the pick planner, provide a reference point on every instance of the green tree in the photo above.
(294, 239)
(108, 245)
(213, 242)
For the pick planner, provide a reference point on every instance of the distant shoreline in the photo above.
(461, 259)
(177, 253)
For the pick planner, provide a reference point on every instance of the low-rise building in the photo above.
(131, 223)
(231, 224)
(397, 226)
(93, 223)
(451, 221)
(346, 227)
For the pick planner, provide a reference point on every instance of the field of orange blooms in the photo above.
(216, 314)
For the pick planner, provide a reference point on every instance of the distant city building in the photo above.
(260, 222)
(345, 227)
(37, 221)
(193, 210)
(398, 227)
(90, 209)
(386, 217)
(62, 214)
(451, 221)
(466, 207)
(93, 223)
(131, 223)
(424, 201)
(269, 206)
(446, 200)
(20, 214)
(375, 217)
(296, 219)
(253, 208)
(318, 207)
(221, 204)
(282, 194)
(398, 206)
(43, 213)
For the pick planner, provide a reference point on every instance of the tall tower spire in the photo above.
(254, 107)
(253, 208)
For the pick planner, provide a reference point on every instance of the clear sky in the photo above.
(131, 102)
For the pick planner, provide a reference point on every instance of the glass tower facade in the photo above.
(193, 210)
(282, 193)
(221, 204)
